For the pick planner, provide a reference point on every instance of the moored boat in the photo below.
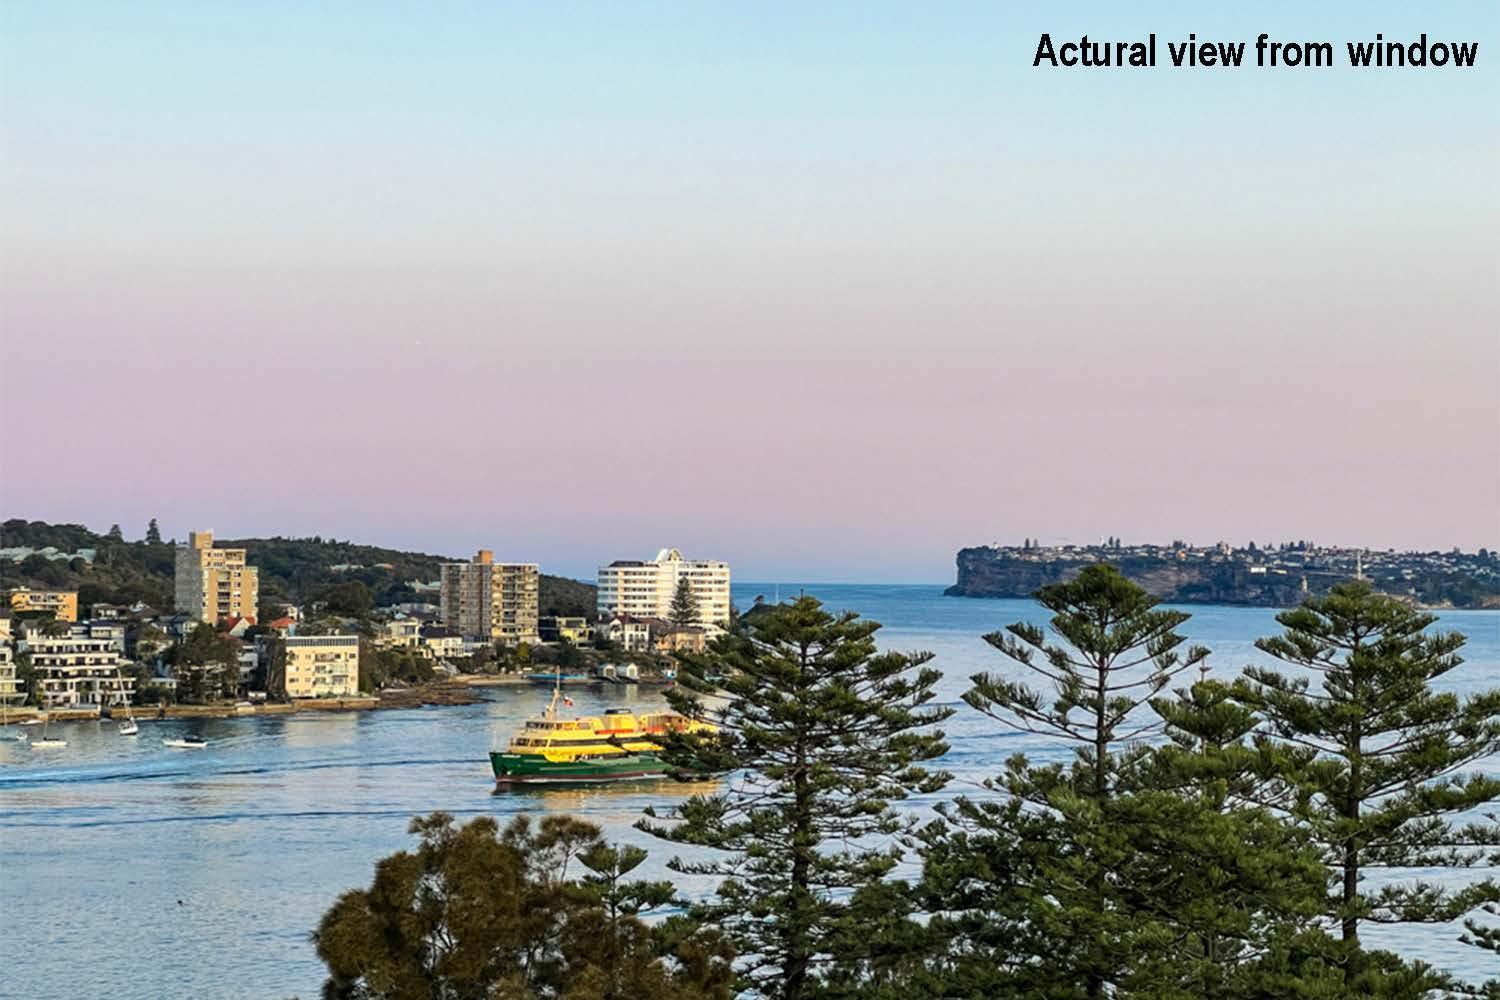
(128, 726)
(47, 742)
(617, 746)
(541, 677)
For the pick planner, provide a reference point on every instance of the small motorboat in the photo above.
(128, 727)
(29, 722)
(188, 742)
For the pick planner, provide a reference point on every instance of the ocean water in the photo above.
(130, 869)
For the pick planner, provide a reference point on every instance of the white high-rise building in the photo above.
(644, 588)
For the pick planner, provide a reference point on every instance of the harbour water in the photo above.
(130, 869)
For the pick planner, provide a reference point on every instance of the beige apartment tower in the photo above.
(215, 584)
(483, 599)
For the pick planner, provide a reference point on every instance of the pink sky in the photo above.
(823, 335)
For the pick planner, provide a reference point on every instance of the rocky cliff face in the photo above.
(986, 572)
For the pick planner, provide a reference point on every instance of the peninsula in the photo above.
(1261, 576)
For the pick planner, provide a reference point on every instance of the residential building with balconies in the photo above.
(322, 666)
(566, 628)
(213, 584)
(62, 604)
(401, 633)
(631, 634)
(10, 688)
(645, 588)
(77, 670)
(498, 602)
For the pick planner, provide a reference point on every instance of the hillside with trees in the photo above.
(292, 570)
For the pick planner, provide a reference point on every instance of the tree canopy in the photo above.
(537, 911)
(1379, 753)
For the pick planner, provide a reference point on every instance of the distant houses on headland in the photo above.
(1262, 575)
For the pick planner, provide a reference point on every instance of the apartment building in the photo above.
(322, 666)
(78, 670)
(63, 604)
(10, 688)
(404, 633)
(630, 633)
(566, 628)
(644, 588)
(483, 599)
(442, 643)
(214, 584)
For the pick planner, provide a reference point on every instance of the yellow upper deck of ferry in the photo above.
(617, 731)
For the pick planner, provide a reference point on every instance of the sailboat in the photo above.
(46, 742)
(128, 725)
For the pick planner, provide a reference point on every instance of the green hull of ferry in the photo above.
(536, 769)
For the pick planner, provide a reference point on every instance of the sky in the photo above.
(828, 291)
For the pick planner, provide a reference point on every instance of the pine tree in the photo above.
(1120, 650)
(619, 955)
(823, 735)
(153, 533)
(1384, 750)
(115, 534)
(1032, 881)
(1243, 884)
(684, 610)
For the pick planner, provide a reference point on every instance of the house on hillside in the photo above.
(630, 633)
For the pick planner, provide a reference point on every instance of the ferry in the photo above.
(617, 746)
